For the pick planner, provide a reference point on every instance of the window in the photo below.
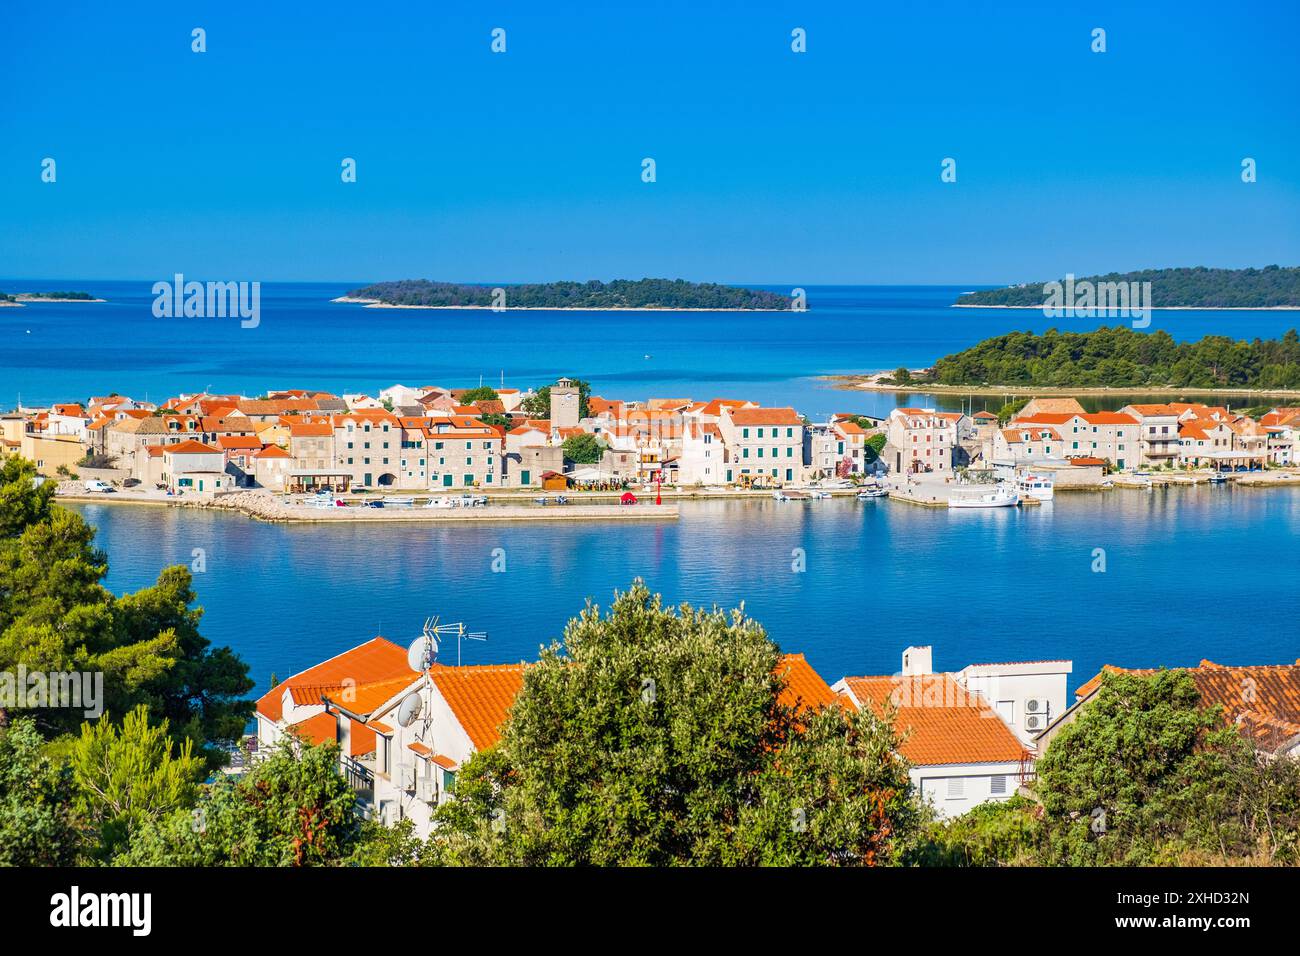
(998, 785)
(789, 433)
(448, 781)
(956, 788)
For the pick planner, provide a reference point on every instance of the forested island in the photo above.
(618, 294)
(1272, 287)
(48, 297)
(1119, 357)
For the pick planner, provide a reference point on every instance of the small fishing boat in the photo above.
(1218, 478)
(440, 503)
(779, 495)
(867, 493)
(399, 502)
(820, 495)
(375, 503)
(991, 499)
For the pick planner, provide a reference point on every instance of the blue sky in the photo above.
(772, 166)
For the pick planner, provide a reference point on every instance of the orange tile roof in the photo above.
(191, 447)
(273, 451)
(445, 762)
(375, 660)
(311, 430)
(804, 687)
(318, 728)
(237, 442)
(765, 416)
(1108, 418)
(480, 697)
(1263, 700)
(1042, 418)
(940, 722)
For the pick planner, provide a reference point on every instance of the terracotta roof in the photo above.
(311, 430)
(236, 442)
(804, 687)
(480, 697)
(1043, 418)
(445, 762)
(940, 722)
(273, 451)
(1263, 699)
(191, 447)
(318, 728)
(1108, 418)
(765, 416)
(375, 660)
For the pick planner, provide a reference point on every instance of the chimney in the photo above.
(918, 660)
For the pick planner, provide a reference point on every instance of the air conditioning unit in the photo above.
(404, 774)
(1037, 705)
(426, 789)
(1035, 723)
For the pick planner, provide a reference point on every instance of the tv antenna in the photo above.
(424, 652)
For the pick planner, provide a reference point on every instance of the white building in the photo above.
(961, 749)
(923, 440)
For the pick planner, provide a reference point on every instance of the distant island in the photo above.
(1119, 357)
(618, 294)
(1273, 287)
(19, 298)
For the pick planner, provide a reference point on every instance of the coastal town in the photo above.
(450, 444)
(969, 736)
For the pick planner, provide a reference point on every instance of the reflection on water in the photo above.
(1190, 573)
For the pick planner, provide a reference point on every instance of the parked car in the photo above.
(95, 485)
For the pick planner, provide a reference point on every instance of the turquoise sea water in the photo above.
(67, 352)
(1190, 573)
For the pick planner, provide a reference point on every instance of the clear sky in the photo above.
(772, 166)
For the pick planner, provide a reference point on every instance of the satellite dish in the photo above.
(422, 653)
(409, 710)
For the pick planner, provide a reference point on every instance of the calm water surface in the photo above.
(67, 352)
(1190, 574)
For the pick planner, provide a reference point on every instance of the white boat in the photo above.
(1218, 478)
(399, 502)
(780, 496)
(820, 495)
(871, 493)
(992, 499)
(1030, 485)
(440, 503)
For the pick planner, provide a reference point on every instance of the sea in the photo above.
(1137, 578)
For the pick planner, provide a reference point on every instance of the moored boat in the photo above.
(1031, 485)
(992, 499)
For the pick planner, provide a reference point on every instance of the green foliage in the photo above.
(56, 616)
(1011, 409)
(619, 294)
(902, 375)
(992, 834)
(292, 809)
(130, 774)
(484, 393)
(655, 736)
(37, 825)
(1121, 357)
(584, 449)
(1199, 287)
(1166, 773)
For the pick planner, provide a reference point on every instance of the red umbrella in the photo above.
(628, 498)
